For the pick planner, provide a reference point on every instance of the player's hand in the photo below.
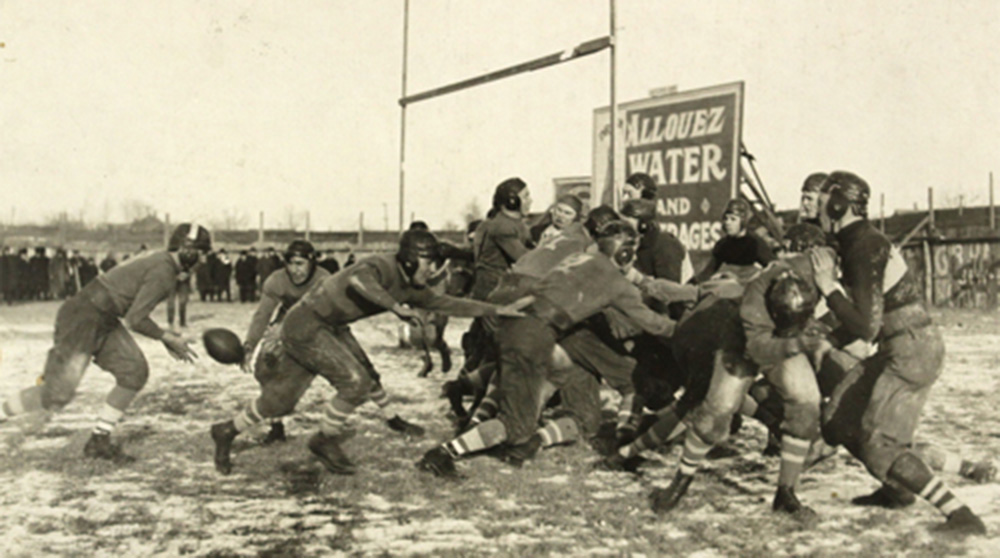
(514, 309)
(815, 347)
(824, 264)
(178, 347)
(247, 364)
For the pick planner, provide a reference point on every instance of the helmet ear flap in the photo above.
(409, 262)
(837, 204)
(512, 202)
(624, 255)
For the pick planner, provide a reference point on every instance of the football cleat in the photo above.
(276, 434)
(887, 496)
(327, 450)
(438, 462)
(399, 424)
(962, 522)
(785, 501)
(223, 433)
(664, 500)
(99, 446)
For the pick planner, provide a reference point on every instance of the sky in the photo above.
(219, 109)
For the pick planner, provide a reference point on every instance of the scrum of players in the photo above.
(823, 338)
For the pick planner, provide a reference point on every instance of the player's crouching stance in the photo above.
(281, 290)
(875, 408)
(316, 340)
(89, 326)
(580, 286)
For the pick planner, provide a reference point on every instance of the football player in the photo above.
(94, 325)
(316, 340)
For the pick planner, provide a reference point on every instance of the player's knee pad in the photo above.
(879, 453)
(801, 420)
(271, 405)
(710, 427)
(357, 391)
(135, 376)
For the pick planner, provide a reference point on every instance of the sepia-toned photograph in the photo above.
(514, 278)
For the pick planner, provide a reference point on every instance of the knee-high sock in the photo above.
(247, 417)
(694, 452)
(668, 427)
(793, 458)
(114, 407)
(912, 473)
(335, 417)
(381, 398)
(28, 400)
(489, 405)
(559, 431)
(485, 435)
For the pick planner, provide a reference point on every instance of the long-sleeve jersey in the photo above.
(584, 284)
(278, 292)
(660, 255)
(763, 346)
(372, 286)
(137, 286)
(541, 259)
(876, 277)
(745, 250)
(499, 242)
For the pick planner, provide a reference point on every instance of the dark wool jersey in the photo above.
(278, 292)
(584, 284)
(137, 286)
(876, 277)
(660, 255)
(540, 260)
(763, 347)
(378, 285)
(499, 242)
(742, 250)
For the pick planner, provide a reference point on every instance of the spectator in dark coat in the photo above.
(8, 274)
(88, 271)
(203, 278)
(222, 275)
(246, 276)
(39, 275)
(266, 265)
(59, 274)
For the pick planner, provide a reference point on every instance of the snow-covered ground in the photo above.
(279, 502)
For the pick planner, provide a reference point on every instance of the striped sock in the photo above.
(952, 463)
(793, 457)
(485, 435)
(488, 406)
(248, 417)
(107, 419)
(938, 494)
(664, 430)
(27, 401)
(625, 418)
(694, 453)
(381, 398)
(559, 431)
(335, 417)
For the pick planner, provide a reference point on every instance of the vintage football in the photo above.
(223, 345)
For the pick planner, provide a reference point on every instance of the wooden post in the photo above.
(307, 225)
(930, 206)
(361, 229)
(993, 218)
(928, 274)
(260, 229)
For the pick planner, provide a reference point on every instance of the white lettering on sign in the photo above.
(694, 164)
(701, 235)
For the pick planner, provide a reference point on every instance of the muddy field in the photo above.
(279, 502)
